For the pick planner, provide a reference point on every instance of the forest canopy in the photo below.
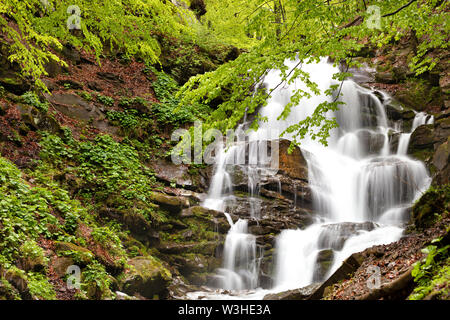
(274, 31)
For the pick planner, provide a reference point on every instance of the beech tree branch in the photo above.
(399, 9)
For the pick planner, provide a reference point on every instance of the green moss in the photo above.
(7, 291)
(40, 287)
(432, 205)
(96, 282)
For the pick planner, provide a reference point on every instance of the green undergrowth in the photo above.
(59, 201)
(169, 110)
(102, 170)
(128, 28)
(432, 274)
(431, 206)
(30, 214)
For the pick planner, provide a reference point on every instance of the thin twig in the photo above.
(399, 9)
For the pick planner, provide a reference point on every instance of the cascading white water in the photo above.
(240, 261)
(360, 191)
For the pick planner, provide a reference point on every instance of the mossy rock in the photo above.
(422, 139)
(38, 120)
(171, 203)
(431, 206)
(324, 260)
(84, 255)
(14, 83)
(147, 277)
(206, 247)
(60, 265)
(7, 291)
(3, 108)
(199, 278)
(441, 160)
(18, 279)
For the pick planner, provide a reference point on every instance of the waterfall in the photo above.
(240, 260)
(360, 190)
(419, 119)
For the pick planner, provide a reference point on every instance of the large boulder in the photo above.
(38, 120)
(430, 206)
(348, 267)
(295, 294)
(441, 160)
(77, 108)
(324, 262)
(135, 222)
(171, 203)
(147, 277)
(421, 144)
(13, 82)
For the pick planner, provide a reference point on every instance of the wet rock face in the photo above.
(75, 107)
(324, 262)
(372, 142)
(148, 278)
(182, 175)
(38, 120)
(333, 236)
(441, 160)
(292, 164)
(421, 139)
(270, 202)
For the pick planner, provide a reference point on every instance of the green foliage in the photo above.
(40, 287)
(131, 102)
(129, 27)
(13, 293)
(127, 119)
(107, 169)
(170, 110)
(32, 99)
(431, 205)
(24, 212)
(85, 95)
(432, 274)
(274, 31)
(109, 239)
(79, 257)
(29, 48)
(31, 250)
(107, 101)
(96, 281)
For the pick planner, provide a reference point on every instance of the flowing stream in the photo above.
(361, 189)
